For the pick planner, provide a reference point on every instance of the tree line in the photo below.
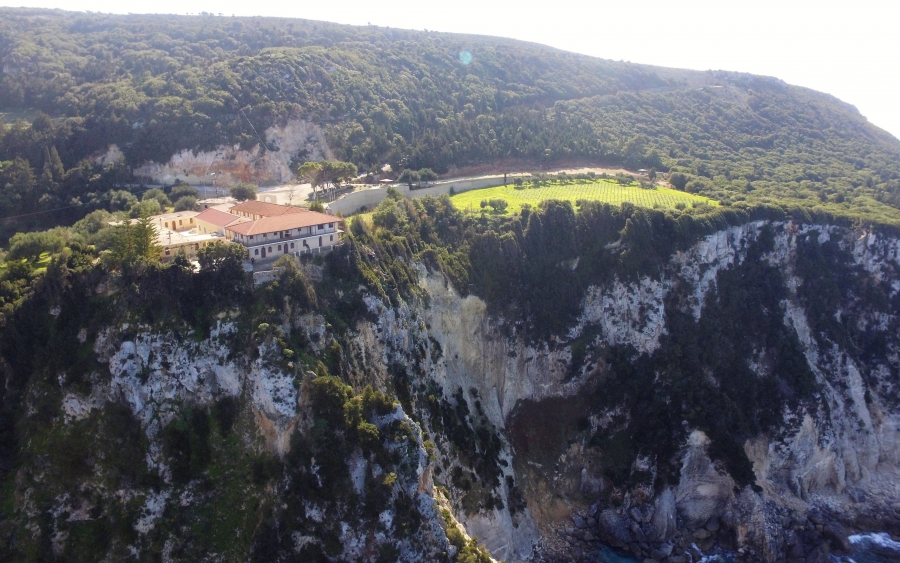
(155, 85)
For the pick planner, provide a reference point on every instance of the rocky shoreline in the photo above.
(590, 536)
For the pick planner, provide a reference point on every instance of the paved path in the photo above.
(281, 194)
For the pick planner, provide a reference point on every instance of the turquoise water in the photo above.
(607, 555)
(872, 548)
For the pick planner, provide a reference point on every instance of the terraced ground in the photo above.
(609, 192)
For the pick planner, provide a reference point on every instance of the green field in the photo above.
(608, 192)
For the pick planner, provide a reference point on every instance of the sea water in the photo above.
(871, 548)
(864, 548)
(607, 555)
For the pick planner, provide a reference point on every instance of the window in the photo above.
(292, 245)
(180, 221)
(251, 237)
(321, 227)
(197, 246)
(331, 238)
(192, 220)
(265, 235)
(256, 251)
(270, 249)
(279, 248)
(330, 225)
(167, 252)
(167, 224)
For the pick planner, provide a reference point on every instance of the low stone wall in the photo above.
(362, 199)
(462, 185)
(264, 276)
(365, 199)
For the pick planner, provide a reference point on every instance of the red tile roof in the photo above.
(218, 218)
(265, 209)
(282, 223)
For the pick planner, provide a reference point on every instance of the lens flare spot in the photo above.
(465, 57)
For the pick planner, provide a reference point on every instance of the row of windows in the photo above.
(269, 250)
(288, 232)
(180, 223)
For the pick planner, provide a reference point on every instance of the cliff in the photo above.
(742, 397)
(831, 459)
(226, 165)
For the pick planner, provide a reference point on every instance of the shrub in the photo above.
(145, 208)
(157, 195)
(328, 396)
(678, 180)
(120, 200)
(186, 203)
(181, 190)
(93, 222)
(427, 175)
(30, 246)
(244, 191)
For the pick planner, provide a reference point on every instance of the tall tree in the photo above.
(309, 172)
(134, 242)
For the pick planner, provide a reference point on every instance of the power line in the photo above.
(62, 208)
(252, 127)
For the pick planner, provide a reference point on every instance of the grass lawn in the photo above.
(608, 192)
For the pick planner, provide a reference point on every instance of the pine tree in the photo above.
(56, 165)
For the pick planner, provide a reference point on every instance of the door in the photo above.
(264, 252)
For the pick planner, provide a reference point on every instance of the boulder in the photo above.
(819, 555)
(661, 552)
(612, 529)
(635, 514)
(663, 521)
(836, 535)
(636, 532)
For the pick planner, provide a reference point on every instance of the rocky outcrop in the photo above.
(228, 165)
(823, 473)
(827, 468)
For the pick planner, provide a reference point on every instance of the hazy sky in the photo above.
(850, 49)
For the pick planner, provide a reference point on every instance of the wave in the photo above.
(880, 539)
(871, 548)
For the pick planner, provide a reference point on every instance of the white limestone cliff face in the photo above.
(831, 458)
(231, 164)
(156, 373)
(842, 456)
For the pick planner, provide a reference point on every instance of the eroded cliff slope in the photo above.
(741, 394)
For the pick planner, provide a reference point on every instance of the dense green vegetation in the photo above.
(154, 85)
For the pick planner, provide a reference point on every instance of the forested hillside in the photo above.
(154, 85)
